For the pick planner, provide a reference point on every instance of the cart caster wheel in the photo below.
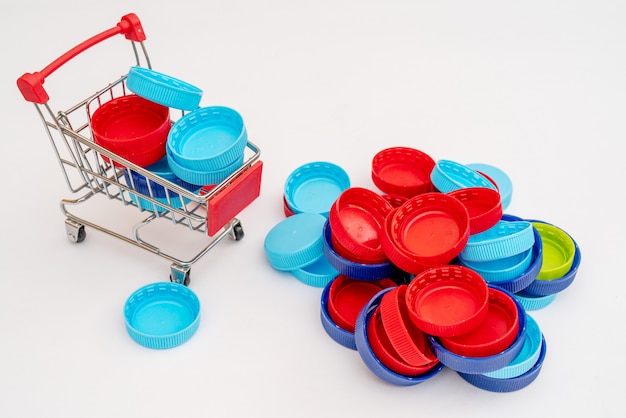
(180, 275)
(75, 231)
(238, 233)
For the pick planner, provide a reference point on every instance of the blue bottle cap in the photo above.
(448, 176)
(162, 315)
(532, 302)
(502, 180)
(314, 187)
(295, 242)
(163, 89)
(480, 365)
(355, 270)
(204, 177)
(334, 331)
(512, 384)
(527, 357)
(503, 269)
(207, 139)
(522, 281)
(505, 239)
(369, 358)
(317, 274)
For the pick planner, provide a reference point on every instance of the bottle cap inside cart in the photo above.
(163, 89)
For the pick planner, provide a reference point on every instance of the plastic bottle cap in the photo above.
(406, 338)
(480, 365)
(355, 270)
(386, 353)
(449, 175)
(433, 228)
(203, 177)
(162, 315)
(447, 300)
(527, 357)
(356, 220)
(317, 274)
(512, 384)
(295, 242)
(402, 171)
(503, 269)
(558, 251)
(505, 239)
(394, 200)
(494, 334)
(534, 303)
(313, 187)
(499, 177)
(207, 139)
(334, 331)
(163, 89)
(483, 205)
(398, 255)
(372, 362)
(348, 296)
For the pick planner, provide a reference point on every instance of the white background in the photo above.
(536, 88)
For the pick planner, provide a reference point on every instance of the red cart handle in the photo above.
(31, 84)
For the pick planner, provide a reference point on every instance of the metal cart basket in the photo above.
(93, 171)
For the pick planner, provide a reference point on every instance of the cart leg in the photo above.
(180, 274)
(75, 231)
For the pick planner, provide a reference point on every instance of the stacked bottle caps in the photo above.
(429, 272)
(202, 147)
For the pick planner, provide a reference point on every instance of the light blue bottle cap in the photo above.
(512, 384)
(505, 239)
(207, 177)
(162, 315)
(207, 139)
(163, 89)
(448, 176)
(295, 242)
(529, 355)
(317, 274)
(502, 180)
(314, 187)
(502, 269)
(532, 302)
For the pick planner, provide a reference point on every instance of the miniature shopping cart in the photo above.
(92, 171)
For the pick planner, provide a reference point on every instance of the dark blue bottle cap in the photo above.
(479, 365)
(511, 384)
(338, 334)
(355, 270)
(370, 359)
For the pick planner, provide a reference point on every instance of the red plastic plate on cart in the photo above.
(231, 200)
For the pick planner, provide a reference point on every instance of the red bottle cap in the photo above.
(347, 296)
(408, 340)
(433, 228)
(446, 301)
(385, 352)
(356, 219)
(402, 171)
(494, 334)
(396, 254)
(483, 205)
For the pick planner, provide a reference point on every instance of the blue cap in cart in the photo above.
(162, 315)
(163, 89)
(295, 242)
